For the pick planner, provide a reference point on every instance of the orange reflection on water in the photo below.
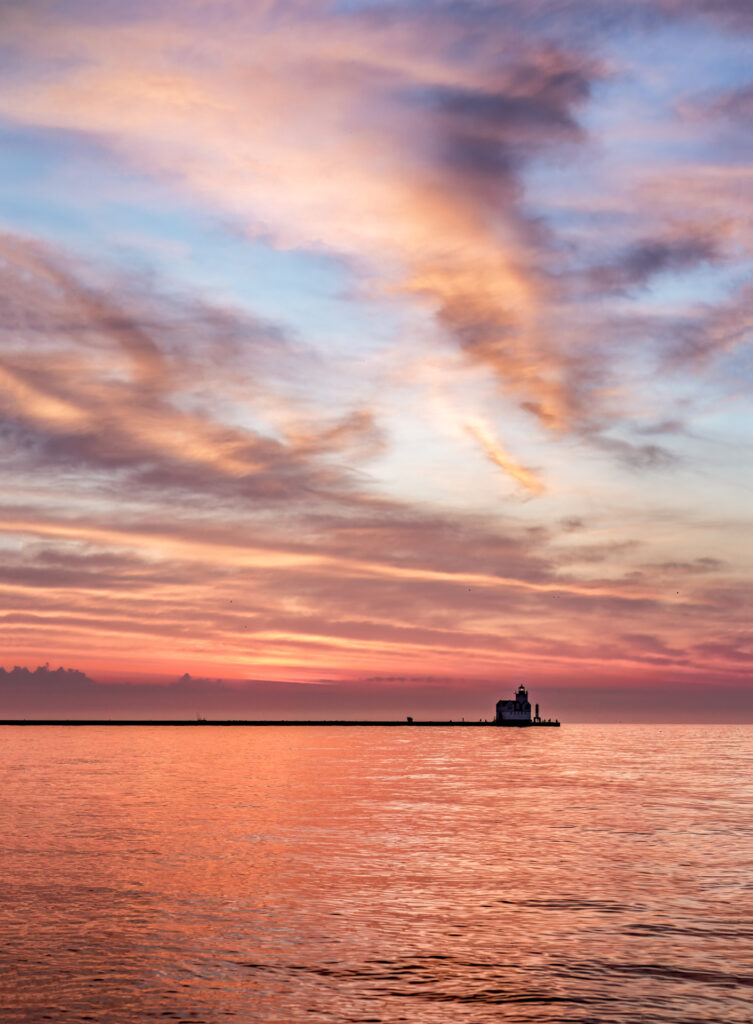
(272, 874)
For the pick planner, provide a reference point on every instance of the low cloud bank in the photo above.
(67, 693)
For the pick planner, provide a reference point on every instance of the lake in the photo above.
(588, 873)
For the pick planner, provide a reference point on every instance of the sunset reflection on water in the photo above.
(591, 873)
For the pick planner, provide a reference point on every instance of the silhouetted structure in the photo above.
(518, 711)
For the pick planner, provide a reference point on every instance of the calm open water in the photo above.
(589, 873)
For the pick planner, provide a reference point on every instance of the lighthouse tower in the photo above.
(516, 711)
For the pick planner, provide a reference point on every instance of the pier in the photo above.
(266, 721)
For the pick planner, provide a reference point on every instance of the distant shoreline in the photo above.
(262, 721)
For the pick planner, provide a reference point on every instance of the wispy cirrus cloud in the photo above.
(413, 167)
(109, 385)
(497, 454)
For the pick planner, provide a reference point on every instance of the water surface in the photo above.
(590, 873)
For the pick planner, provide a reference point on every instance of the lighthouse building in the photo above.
(516, 711)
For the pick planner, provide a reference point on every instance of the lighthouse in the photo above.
(516, 711)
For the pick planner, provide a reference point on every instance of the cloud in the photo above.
(698, 565)
(265, 543)
(733, 104)
(111, 389)
(408, 160)
(496, 454)
(399, 588)
(69, 693)
(709, 331)
(398, 138)
(643, 260)
(636, 456)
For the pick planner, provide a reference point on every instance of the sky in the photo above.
(400, 351)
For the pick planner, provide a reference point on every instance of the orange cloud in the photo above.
(497, 454)
(351, 143)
